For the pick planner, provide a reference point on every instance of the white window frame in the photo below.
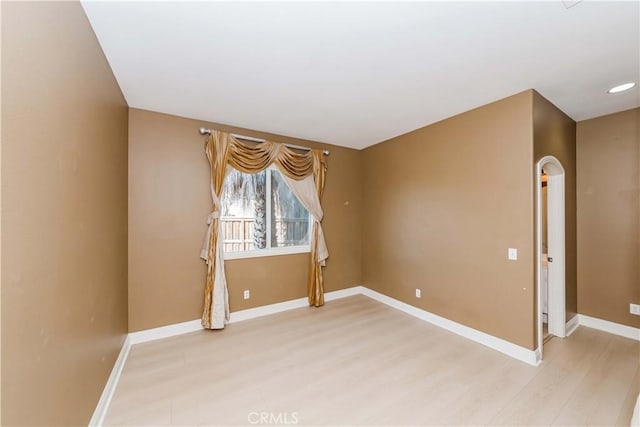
(269, 251)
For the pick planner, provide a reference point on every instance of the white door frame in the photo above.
(556, 246)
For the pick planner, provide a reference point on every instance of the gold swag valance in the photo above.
(304, 173)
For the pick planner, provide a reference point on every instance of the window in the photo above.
(261, 216)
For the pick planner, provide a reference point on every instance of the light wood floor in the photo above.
(358, 362)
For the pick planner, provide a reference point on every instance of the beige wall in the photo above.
(64, 201)
(429, 224)
(554, 134)
(169, 201)
(608, 158)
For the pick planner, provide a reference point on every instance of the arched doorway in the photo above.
(554, 258)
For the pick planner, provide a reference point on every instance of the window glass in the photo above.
(259, 211)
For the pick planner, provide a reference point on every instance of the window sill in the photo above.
(289, 250)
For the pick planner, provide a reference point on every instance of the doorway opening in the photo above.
(544, 269)
(550, 250)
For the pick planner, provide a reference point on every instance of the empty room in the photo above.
(320, 213)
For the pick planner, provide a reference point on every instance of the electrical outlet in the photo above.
(418, 293)
(246, 294)
(634, 309)
(513, 254)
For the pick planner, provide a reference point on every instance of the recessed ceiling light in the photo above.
(621, 88)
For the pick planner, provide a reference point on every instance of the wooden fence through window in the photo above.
(238, 233)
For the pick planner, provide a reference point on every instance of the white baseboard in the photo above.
(236, 316)
(572, 325)
(97, 419)
(538, 356)
(343, 293)
(265, 310)
(611, 327)
(165, 331)
(510, 349)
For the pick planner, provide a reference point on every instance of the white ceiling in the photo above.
(355, 74)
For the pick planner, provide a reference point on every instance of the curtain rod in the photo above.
(205, 131)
